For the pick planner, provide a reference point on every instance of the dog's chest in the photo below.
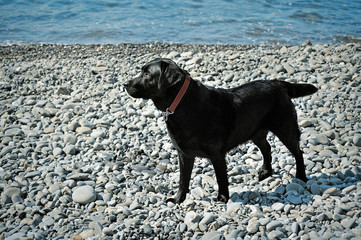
(194, 143)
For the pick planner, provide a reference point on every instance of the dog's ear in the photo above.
(170, 74)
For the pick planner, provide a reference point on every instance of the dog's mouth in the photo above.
(132, 91)
(129, 88)
(135, 92)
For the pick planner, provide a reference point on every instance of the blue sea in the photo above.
(187, 21)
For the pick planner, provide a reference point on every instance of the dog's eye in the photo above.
(147, 75)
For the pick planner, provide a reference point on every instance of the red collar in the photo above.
(177, 99)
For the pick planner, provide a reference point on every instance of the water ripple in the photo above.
(188, 21)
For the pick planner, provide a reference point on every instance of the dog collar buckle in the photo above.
(166, 114)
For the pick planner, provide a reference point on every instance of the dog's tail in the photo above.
(296, 90)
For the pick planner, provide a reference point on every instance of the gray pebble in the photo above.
(357, 140)
(349, 223)
(135, 205)
(98, 228)
(273, 225)
(294, 199)
(191, 218)
(17, 199)
(264, 221)
(214, 235)
(5, 199)
(15, 236)
(229, 77)
(290, 70)
(47, 221)
(275, 234)
(69, 149)
(207, 218)
(84, 194)
(83, 130)
(295, 187)
(326, 153)
(77, 177)
(182, 227)
(57, 151)
(233, 207)
(70, 139)
(295, 227)
(278, 206)
(333, 191)
(13, 132)
(12, 191)
(316, 189)
(147, 229)
(32, 174)
(253, 226)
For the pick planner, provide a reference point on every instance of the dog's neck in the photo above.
(171, 99)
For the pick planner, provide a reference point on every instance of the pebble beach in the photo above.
(81, 159)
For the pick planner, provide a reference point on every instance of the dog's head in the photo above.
(156, 77)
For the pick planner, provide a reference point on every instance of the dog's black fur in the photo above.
(209, 122)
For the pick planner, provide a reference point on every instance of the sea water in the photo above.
(186, 21)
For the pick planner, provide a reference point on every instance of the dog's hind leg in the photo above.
(219, 164)
(293, 146)
(185, 166)
(289, 134)
(260, 139)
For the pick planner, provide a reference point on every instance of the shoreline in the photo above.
(81, 159)
(168, 46)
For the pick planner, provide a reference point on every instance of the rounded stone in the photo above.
(333, 191)
(70, 138)
(83, 130)
(108, 231)
(84, 194)
(16, 198)
(273, 225)
(12, 191)
(278, 206)
(357, 140)
(316, 189)
(295, 187)
(252, 226)
(98, 134)
(214, 235)
(69, 149)
(191, 218)
(57, 151)
(294, 199)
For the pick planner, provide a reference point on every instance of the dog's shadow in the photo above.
(299, 193)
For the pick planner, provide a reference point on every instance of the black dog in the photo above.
(209, 122)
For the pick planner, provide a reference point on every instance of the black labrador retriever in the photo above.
(208, 122)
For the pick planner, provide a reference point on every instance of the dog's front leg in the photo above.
(185, 166)
(219, 164)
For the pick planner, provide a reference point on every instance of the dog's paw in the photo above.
(178, 199)
(172, 200)
(263, 174)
